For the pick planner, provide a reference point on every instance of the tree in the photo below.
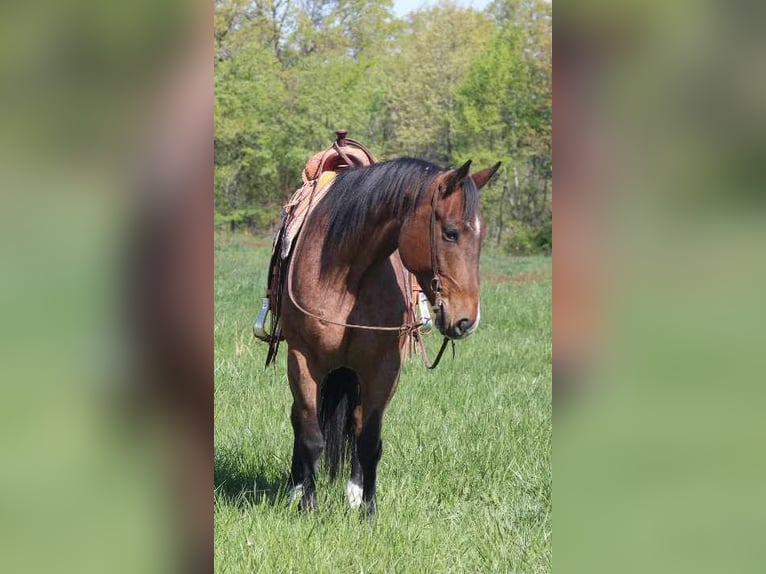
(438, 50)
(505, 110)
(446, 84)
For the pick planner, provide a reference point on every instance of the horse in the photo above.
(345, 306)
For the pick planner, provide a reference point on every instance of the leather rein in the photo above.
(412, 327)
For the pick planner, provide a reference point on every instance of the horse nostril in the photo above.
(462, 326)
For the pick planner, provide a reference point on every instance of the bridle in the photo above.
(412, 327)
(436, 287)
(436, 282)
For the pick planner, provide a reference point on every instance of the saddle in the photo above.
(318, 175)
(344, 152)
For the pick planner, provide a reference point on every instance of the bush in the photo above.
(543, 237)
(531, 240)
(520, 242)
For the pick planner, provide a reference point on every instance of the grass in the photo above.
(464, 484)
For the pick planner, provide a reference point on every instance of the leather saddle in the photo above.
(317, 176)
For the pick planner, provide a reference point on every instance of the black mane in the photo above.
(397, 185)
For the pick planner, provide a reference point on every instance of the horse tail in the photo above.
(338, 397)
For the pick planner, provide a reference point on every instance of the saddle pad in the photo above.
(300, 205)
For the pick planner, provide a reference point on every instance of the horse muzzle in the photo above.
(458, 329)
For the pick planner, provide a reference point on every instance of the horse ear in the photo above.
(456, 176)
(480, 178)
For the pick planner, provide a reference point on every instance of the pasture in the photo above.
(464, 484)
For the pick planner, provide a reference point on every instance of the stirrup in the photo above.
(259, 326)
(425, 313)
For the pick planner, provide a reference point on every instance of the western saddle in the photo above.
(319, 172)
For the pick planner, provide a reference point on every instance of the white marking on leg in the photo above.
(477, 225)
(296, 492)
(354, 494)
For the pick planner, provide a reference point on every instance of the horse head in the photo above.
(440, 243)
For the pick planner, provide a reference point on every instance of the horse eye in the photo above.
(451, 234)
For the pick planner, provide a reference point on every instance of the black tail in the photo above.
(338, 397)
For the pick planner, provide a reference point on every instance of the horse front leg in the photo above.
(377, 390)
(370, 449)
(308, 442)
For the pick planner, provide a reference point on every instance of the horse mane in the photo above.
(397, 186)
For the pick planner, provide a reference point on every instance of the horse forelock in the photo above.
(470, 201)
(462, 206)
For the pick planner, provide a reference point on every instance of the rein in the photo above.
(411, 328)
(436, 287)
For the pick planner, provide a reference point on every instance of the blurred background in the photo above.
(106, 169)
(106, 155)
(658, 287)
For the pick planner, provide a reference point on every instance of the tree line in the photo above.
(445, 83)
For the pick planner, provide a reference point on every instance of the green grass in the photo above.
(464, 484)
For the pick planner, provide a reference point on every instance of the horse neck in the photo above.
(372, 247)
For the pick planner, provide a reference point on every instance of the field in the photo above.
(465, 480)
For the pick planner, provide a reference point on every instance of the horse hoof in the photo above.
(295, 493)
(370, 511)
(308, 503)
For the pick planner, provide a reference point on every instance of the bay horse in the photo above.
(346, 302)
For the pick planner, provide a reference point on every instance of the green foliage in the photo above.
(531, 240)
(447, 84)
(544, 238)
(439, 48)
(505, 109)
